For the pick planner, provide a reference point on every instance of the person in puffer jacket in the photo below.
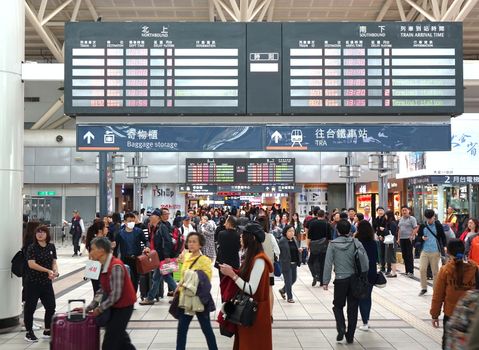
(341, 254)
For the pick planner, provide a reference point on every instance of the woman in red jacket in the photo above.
(253, 276)
(472, 228)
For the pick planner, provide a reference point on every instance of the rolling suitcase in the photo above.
(74, 331)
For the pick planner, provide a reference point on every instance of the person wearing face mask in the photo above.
(129, 242)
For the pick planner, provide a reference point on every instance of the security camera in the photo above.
(59, 138)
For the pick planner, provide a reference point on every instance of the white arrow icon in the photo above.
(276, 136)
(89, 137)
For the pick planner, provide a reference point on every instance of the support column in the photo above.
(137, 184)
(383, 186)
(12, 42)
(103, 183)
(350, 183)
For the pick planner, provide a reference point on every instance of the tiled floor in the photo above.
(399, 319)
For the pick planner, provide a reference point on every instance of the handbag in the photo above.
(174, 309)
(242, 309)
(359, 283)
(389, 238)
(147, 263)
(381, 280)
(277, 267)
(168, 267)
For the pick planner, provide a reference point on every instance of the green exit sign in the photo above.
(46, 193)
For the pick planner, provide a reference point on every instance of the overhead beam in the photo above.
(49, 42)
(59, 122)
(465, 10)
(76, 9)
(451, 10)
(243, 10)
(56, 12)
(236, 9)
(41, 11)
(48, 114)
(257, 10)
(228, 10)
(435, 9)
(271, 10)
(219, 10)
(267, 3)
(384, 10)
(211, 10)
(92, 10)
(401, 11)
(421, 10)
(251, 7)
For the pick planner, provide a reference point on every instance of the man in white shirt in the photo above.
(186, 227)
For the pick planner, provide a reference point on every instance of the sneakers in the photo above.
(291, 301)
(30, 337)
(340, 336)
(170, 294)
(364, 327)
(146, 302)
(391, 275)
(410, 274)
(314, 282)
(422, 292)
(349, 340)
(46, 334)
(283, 294)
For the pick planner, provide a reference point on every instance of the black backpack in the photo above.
(18, 264)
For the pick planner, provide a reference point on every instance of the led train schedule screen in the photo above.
(154, 68)
(240, 171)
(372, 68)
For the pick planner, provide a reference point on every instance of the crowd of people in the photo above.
(248, 247)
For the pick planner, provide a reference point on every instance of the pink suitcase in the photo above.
(74, 331)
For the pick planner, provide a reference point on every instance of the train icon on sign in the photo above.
(296, 137)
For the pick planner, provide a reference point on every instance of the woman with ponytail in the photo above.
(453, 281)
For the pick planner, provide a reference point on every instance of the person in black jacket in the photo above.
(229, 244)
(379, 226)
(433, 239)
(289, 259)
(162, 242)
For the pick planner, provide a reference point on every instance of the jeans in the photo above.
(365, 306)
(289, 279)
(343, 294)
(316, 265)
(382, 257)
(157, 280)
(76, 242)
(116, 336)
(406, 249)
(428, 259)
(184, 324)
(46, 295)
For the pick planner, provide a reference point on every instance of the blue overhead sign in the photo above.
(160, 138)
(357, 138)
(208, 138)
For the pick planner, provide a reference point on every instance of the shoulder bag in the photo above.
(359, 283)
(242, 309)
(277, 266)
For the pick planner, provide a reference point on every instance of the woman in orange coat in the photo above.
(253, 276)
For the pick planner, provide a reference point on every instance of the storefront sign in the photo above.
(444, 179)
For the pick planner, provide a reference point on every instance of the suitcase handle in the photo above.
(69, 312)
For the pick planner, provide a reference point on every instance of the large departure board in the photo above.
(154, 68)
(372, 68)
(240, 171)
(386, 68)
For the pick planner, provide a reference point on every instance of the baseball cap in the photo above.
(156, 212)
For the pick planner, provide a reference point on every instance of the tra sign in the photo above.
(243, 138)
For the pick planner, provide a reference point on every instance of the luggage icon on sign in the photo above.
(109, 137)
(296, 137)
